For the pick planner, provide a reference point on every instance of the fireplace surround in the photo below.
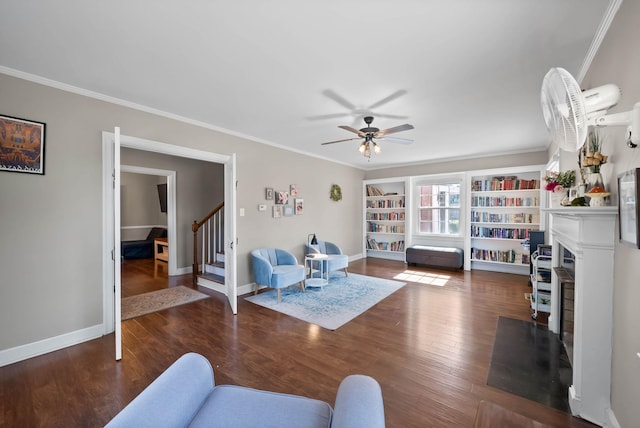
(589, 234)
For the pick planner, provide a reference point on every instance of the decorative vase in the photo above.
(592, 180)
(557, 198)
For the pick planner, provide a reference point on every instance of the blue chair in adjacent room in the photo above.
(335, 260)
(276, 268)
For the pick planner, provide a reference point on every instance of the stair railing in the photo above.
(211, 229)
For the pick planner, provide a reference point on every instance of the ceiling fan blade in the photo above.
(398, 128)
(396, 140)
(390, 98)
(337, 98)
(327, 116)
(349, 128)
(391, 116)
(340, 141)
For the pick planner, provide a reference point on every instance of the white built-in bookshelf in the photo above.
(504, 205)
(384, 218)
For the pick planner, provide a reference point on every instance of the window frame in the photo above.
(439, 181)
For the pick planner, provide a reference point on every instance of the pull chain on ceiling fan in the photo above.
(368, 145)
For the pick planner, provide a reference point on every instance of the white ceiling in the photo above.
(469, 71)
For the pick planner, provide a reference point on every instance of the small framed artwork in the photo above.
(268, 193)
(628, 207)
(288, 210)
(282, 197)
(21, 145)
(299, 203)
(294, 190)
(277, 211)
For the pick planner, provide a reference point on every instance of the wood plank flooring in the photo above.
(428, 345)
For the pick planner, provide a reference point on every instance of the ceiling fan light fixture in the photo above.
(376, 148)
(362, 147)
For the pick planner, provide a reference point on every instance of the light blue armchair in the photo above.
(276, 268)
(336, 260)
(185, 395)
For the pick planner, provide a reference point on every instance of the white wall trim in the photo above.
(143, 226)
(610, 13)
(29, 350)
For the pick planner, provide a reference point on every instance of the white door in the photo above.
(230, 232)
(117, 280)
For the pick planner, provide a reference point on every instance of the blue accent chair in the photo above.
(275, 268)
(336, 260)
(185, 395)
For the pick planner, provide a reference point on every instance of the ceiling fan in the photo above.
(369, 133)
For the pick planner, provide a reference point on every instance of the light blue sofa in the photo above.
(336, 260)
(185, 395)
(276, 268)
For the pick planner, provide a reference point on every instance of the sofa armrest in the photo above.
(262, 269)
(173, 399)
(358, 404)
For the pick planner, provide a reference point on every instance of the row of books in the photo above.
(392, 216)
(485, 217)
(503, 201)
(499, 232)
(385, 228)
(374, 191)
(372, 244)
(504, 183)
(507, 256)
(386, 203)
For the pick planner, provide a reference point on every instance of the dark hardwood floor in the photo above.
(428, 344)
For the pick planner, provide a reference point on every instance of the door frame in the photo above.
(107, 224)
(171, 206)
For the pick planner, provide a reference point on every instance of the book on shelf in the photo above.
(374, 191)
(504, 183)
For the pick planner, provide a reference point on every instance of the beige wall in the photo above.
(140, 204)
(51, 225)
(618, 61)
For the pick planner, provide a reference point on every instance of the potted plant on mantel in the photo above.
(559, 184)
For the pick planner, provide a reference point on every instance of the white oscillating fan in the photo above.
(568, 112)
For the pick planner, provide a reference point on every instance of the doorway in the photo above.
(111, 167)
(148, 198)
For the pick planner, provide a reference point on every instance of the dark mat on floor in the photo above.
(530, 361)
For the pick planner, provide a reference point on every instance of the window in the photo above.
(439, 208)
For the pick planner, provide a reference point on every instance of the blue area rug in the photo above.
(333, 305)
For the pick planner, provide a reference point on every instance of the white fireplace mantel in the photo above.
(589, 233)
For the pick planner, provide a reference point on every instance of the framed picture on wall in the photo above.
(299, 203)
(277, 211)
(268, 193)
(288, 210)
(628, 207)
(294, 190)
(21, 145)
(282, 197)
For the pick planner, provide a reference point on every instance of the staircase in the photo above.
(208, 250)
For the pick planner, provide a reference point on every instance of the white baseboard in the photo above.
(184, 270)
(355, 257)
(23, 352)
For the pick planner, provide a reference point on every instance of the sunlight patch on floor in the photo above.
(423, 277)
